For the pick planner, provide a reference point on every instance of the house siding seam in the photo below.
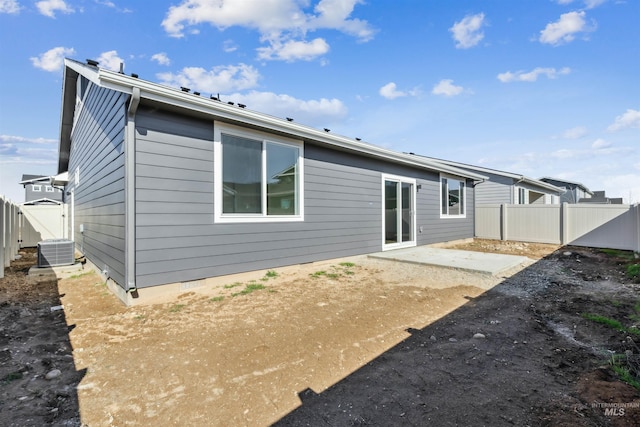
(97, 140)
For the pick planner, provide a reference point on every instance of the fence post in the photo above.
(2, 238)
(637, 208)
(6, 224)
(503, 222)
(14, 231)
(564, 223)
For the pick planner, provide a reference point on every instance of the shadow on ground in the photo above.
(501, 359)
(38, 377)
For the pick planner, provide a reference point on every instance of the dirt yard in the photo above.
(355, 341)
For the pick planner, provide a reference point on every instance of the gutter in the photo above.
(130, 193)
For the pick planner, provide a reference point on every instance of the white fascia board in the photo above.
(544, 185)
(176, 97)
(91, 73)
(33, 180)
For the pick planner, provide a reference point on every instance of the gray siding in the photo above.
(97, 152)
(499, 189)
(434, 228)
(177, 239)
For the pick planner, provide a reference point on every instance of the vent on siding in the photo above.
(55, 252)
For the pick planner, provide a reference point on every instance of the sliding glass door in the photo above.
(399, 212)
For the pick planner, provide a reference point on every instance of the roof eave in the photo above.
(176, 97)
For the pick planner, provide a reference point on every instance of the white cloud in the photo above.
(563, 153)
(315, 112)
(282, 24)
(565, 29)
(575, 133)
(630, 119)
(532, 76)
(447, 88)
(110, 60)
(52, 59)
(9, 6)
(218, 79)
(22, 139)
(229, 46)
(590, 4)
(293, 50)
(50, 7)
(161, 58)
(600, 143)
(390, 91)
(467, 32)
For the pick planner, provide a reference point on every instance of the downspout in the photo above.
(130, 194)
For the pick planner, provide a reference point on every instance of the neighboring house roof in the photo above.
(220, 111)
(43, 201)
(55, 180)
(569, 183)
(544, 186)
(32, 179)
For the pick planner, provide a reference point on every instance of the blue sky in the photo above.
(535, 87)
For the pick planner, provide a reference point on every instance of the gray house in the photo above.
(39, 189)
(573, 191)
(509, 188)
(168, 188)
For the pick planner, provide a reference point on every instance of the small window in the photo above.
(49, 189)
(259, 177)
(522, 196)
(452, 197)
(36, 187)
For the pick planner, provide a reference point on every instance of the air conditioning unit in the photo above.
(54, 252)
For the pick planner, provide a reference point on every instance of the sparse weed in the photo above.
(318, 274)
(251, 287)
(77, 276)
(612, 323)
(621, 366)
(633, 271)
(216, 299)
(271, 274)
(177, 308)
(232, 285)
(628, 255)
(12, 376)
(347, 264)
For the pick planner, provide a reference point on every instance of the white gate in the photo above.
(42, 222)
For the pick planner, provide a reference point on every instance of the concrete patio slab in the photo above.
(478, 262)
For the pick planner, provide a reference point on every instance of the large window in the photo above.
(452, 196)
(259, 177)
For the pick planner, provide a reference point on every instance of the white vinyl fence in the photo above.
(10, 233)
(25, 226)
(599, 226)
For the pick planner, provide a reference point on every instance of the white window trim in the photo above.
(36, 188)
(464, 196)
(219, 217)
(49, 189)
